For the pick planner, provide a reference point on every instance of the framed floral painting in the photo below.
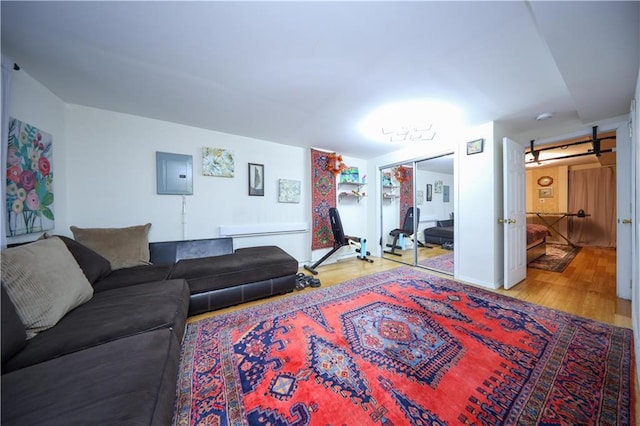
(29, 201)
(217, 162)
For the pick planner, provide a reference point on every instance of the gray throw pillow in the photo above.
(44, 282)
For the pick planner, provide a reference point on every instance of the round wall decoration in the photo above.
(545, 181)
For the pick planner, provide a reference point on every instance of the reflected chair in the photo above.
(406, 231)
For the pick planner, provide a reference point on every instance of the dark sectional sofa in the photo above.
(441, 233)
(114, 359)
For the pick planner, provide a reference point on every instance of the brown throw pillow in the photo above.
(44, 282)
(122, 247)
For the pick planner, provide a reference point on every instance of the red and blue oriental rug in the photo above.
(441, 262)
(403, 347)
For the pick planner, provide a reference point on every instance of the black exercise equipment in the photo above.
(406, 231)
(340, 240)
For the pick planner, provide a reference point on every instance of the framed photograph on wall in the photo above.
(475, 147)
(545, 192)
(429, 192)
(256, 179)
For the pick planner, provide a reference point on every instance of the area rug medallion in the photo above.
(403, 347)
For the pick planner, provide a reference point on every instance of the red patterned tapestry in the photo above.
(404, 347)
(323, 188)
(406, 191)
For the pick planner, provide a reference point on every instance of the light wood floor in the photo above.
(586, 288)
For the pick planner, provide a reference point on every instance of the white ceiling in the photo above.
(306, 73)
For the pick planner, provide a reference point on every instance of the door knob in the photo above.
(626, 221)
(500, 220)
(511, 221)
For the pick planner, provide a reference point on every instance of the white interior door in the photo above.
(624, 192)
(514, 219)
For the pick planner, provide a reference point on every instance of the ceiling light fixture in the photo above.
(410, 121)
(544, 116)
(403, 134)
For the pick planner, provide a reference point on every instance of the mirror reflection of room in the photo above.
(417, 222)
(434, 198)
(397, 229)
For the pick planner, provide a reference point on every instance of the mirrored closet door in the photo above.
(397, 213)
(434, 197)
(417, 208)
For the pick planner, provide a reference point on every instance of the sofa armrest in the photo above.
(444, 223)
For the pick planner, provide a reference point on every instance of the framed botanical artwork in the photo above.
(256, 179)
(437, 187)
(289, 191)
(419, 196)
(217, 162)
(29, 179)
(475, 147)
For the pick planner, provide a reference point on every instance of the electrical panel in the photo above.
(174, 174)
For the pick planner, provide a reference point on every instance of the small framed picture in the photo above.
(256, 179)
(429, 192)
(545, 192)
(475, 147)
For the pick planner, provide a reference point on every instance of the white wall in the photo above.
(112, 181)
(478, 197)
(33, 103)
(105, 176)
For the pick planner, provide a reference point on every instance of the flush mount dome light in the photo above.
(409, 121)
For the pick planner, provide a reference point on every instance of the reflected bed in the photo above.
(536, 241)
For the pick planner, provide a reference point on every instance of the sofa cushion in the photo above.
(14, 337)
(132, 276)
(44, 282)
(123, 247)
(130, 381)
(246, 265)
(94, 266)
(110, 315)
